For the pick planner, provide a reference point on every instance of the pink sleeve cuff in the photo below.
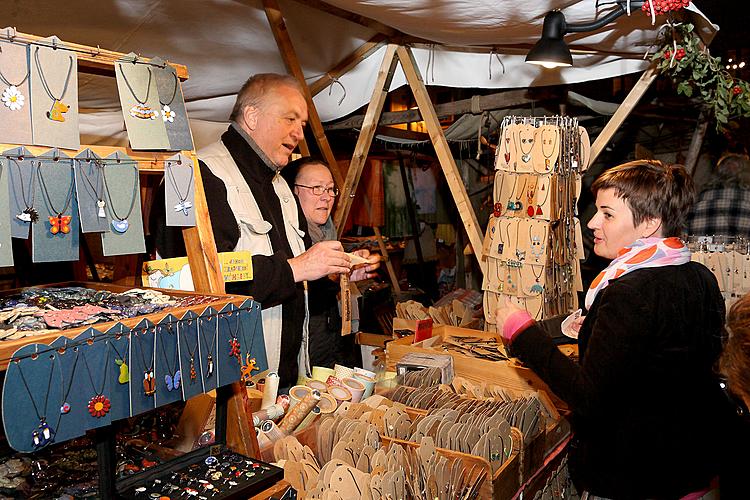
(516, 323)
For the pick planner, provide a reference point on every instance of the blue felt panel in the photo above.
(142, 368)
(71, 406)
(230, 345)
(251, 333)
(190, 356)
(42, 388)
(168, 373)
(208, 328)
(118, 369)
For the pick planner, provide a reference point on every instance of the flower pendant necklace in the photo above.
(99, 405)
(166, 112)
(12, 97)
(43, 434)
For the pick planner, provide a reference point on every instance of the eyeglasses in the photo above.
(319, 190)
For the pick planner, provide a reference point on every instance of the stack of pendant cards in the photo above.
(152, 104)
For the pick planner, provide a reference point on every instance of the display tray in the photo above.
(215, 472)
(8, 347)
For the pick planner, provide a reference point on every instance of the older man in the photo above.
(252, 208)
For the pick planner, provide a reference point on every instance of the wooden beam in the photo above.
(447, 163)
(91, 60)
(374, 108)
(640, 88)
(501, 100)
(696, 143)
(400, 133)
(280, 33)
(360, 54)
(351, 16)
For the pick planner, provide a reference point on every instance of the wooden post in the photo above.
(623, 111)
(280, 33)
(696, 143)
(447, 163)
(349, 186)
(360, 54)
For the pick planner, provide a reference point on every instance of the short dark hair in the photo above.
(734, 363)
(293, 168)
(256, 88)
(652, 189)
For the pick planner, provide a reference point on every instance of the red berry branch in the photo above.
(664, 6)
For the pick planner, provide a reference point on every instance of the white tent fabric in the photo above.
(222, 42)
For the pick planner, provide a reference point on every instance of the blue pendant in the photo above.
(536, 288)
(173, 381)
(120, 226)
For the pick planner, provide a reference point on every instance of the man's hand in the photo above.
(366, 271)
(322, 259)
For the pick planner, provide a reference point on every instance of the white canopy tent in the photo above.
(222, 42)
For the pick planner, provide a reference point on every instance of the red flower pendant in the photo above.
(99, 406)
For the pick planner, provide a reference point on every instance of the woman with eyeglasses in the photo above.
(647, 409)
(312, 183)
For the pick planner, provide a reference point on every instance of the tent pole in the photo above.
(284, 42)
(360, 54)
(623, 111)
(374, 108)
(447, 163)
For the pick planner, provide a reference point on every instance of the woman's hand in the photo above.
(366, 271)
(514, 316)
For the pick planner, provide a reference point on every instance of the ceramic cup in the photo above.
(341, 372)
(317, 384)
(327, 403)
(321, 373)
(340, 393)
(297, 394)
(368, 382)
(356, 388)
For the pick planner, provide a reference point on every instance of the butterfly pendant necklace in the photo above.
(59, 224)
(174, 376)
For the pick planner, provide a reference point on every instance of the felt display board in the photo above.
(172, 106)
(90, 192)
(54, 238)
(139, 99)
(168, 373)
(190, 356)
(54, 118)
(142, 368)
(6, 252)
(123, 198)
(179, 188)
(70, 373)
(15, 105)
(21, 182)
(208, 327)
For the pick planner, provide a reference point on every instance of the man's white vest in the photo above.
(254, 238)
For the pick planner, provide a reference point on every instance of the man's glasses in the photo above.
(319, 190)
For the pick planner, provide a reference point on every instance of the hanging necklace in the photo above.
(250, 364)
(149, 383)
(518, 205)
(547, 157)
(506, 145)
(520, 254)
(173, 378)
(121, 224)
(140, 110)
(210, 350)
(537, 245)
(184, 205)
(96, 191)
(43, 434)
(166, 112)
(124, 375)
(511, 205)
(501, 245)
(99, 405)
(58, 107)
(497, 208)
(537, 288)
(235, 348)
(191, 353)
(546, 195)
(526, 155)
(65, 406)
(29, 213)
(59, 223)
(12, 96)
(530, 193)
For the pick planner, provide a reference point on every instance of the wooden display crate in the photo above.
(8, 347)
(507, 374)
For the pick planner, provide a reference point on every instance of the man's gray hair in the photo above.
(256, 88)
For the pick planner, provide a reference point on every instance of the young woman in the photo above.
(646, 404)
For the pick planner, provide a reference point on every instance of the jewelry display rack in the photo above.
(533, 242)
(201, 252)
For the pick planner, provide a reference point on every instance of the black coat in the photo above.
(647, 408)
